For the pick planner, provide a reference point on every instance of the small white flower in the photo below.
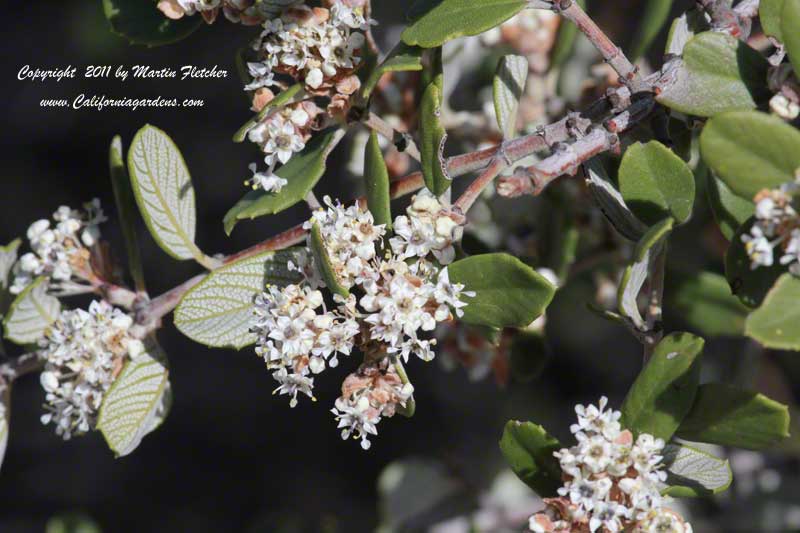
(758, 248)
(267, 181)
(292, 385)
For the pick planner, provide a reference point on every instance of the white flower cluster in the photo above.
(83, 351)
(397, 300)
(60, 250)
(777, 226)
(318, 46)
(428, 228)
(611, 481)
(279, 136)
(297, 339)
(375, 391)
(249, 12)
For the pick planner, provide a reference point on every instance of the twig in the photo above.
(18, 367)
(402, 141)
(628, 73)
(475, 188)
(724, 18)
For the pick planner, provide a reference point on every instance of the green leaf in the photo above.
(775, 323)
(5, 417)
(528, 448)
(719, 73)
(664, 391)
(433, 136)
(790, 28)
(303, 171)
(141, 22)
(8, 256)
(126, 208)
(730, 211)
(705, 302)
(508, 292)
(611, 202)
(769, 13)
(565, 41)
(402, 58)
(437, 21)
(376, 180)
(31, 313)
(509, 86)
(656, 13)
(279, 100)
(656, 183)
(218, 311)
(751, 151)
(692, 472)
(635, 275)
(163, 189)
(323, 263)
(750, 286)
(729, 416)
(129, 409)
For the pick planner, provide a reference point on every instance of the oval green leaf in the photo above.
(129, 409)
(528, 449)
(218, 311)
(437, 21)
(303, 171)
(729, 416)
(31, 313)
(508, 292)
(664, 391)
(656, 183)
(776, 324)
(751, 151)
(719, 73)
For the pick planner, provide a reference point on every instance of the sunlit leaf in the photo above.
(129, 407)
(664, 391)
(508, 292)
(163, 189)
(692, 472)
(31, 313)
(751, 151)
(218, 311)
(656, 183)
(719, 73)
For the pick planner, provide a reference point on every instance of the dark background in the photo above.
(231, 457)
